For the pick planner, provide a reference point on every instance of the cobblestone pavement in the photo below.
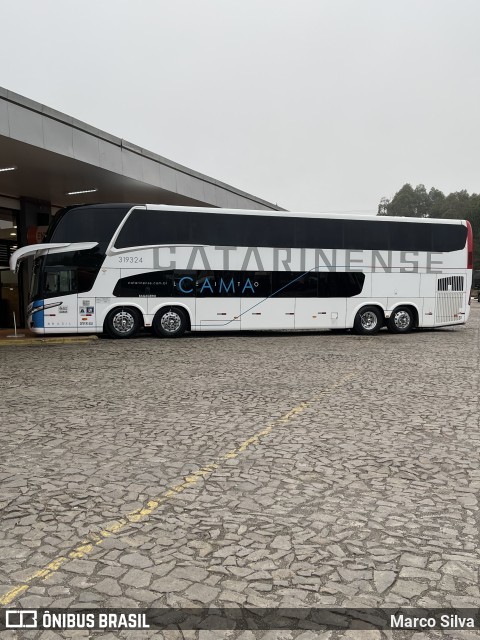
(360, 487)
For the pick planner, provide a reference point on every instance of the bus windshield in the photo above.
(87, 224)
(64, 273)
(75, 271)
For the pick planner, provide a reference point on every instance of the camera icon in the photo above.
(21, 619)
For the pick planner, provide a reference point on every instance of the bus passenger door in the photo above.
(61, 311)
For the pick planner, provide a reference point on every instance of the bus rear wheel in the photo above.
(401, 320)
(123, 322)
(169, 323)
(368, 321)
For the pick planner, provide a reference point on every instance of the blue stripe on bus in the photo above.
(38, 318)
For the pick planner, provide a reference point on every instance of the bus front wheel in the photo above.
(169, 323)
(368, 321)
(123, 322)
(401, 320)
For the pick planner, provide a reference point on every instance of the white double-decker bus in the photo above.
(116, 268)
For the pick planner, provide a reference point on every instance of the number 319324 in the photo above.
(130, 259)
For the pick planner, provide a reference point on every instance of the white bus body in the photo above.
(120, 267)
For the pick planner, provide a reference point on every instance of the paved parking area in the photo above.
(257, 470)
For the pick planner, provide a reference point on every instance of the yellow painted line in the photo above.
(93, 540)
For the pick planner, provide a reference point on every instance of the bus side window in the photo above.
(256, 284)
(294, 284)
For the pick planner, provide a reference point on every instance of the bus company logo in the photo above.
(21, 619)
(296, 259)
(209, 286)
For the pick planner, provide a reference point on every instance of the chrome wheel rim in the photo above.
(171, 322)
(401, 320)
(123, 322)
(368, 320)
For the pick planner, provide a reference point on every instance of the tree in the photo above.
(437, 199)
(474, 219)
(403, 202)
(456, 205)
(409, 202)
(383, 207)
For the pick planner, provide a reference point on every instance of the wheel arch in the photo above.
(366, 303)
(174, 305)
(128, 305)
(411, 305)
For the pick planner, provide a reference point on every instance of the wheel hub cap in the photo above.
(123, 322)
(401, 319)
(369, 320)
(171, 321)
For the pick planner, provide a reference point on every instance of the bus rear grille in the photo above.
(448, 307)
(452, 283)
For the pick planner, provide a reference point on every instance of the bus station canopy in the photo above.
(51, 155)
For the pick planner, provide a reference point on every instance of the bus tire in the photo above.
(368, 321)
(122, 322)
(402, 320)
(170, 322)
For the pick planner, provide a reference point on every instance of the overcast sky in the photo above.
(318, 105)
